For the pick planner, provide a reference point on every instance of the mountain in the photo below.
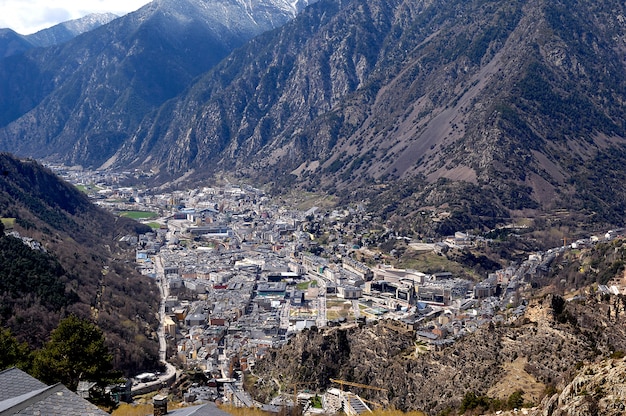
(65, 31)
(78, 101)
(484, 110)
(12, 43)
(66, 259)
(444, 115)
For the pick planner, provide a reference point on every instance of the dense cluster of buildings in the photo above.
(243, 275)
(242, 279)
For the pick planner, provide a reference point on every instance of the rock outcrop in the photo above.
(598, 389)
(544, 348)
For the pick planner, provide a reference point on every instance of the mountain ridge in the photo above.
(12, 43)
(452, 103)
(496, 109)
(65, 31)
(54, 103)
(479, 115)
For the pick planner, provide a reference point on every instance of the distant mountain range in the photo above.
(12, 43)
(80, 100)
(486, 110)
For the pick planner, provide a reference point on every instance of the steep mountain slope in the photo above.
(78, 101)
(76, 266)
(12, 43)
(515, 103)
(598, 389)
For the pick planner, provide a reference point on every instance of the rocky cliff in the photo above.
(599, 389)
(536, 353)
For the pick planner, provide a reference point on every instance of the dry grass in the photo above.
(238, 411)
(306, 200)
(244, 411)
(397, 413)
(8, 223)
(427, 261)
(125, 409)
(339, 308)
(516, 378)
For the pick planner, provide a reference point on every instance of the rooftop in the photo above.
(21, 394)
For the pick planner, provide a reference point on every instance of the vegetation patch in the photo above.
(126, 409)
(303, 285)
(8, 222)
(244, 411)
(338, 309)
(139, 215)
(30, 276)
(88, 188)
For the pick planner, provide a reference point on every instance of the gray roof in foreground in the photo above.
(22, 394)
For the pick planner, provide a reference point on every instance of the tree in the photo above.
(12, 352)
(472, 401)
(516, 400)
(76, 351)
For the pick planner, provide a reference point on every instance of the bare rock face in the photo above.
(488, 109)
(544, 348)
(478, 101)
(599, 389)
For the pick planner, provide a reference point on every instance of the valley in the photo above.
(320, 206)
(245, 276)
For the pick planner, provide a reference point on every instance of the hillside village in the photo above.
(241, 274)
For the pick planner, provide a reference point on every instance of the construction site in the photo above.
(337, 400)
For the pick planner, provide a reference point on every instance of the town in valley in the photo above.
(241, 272)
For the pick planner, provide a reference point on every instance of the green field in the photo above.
(8, 222)
(138, 215)
(88, 188)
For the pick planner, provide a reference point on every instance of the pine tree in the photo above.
(76, 351)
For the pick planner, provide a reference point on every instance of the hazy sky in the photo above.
(29, 16)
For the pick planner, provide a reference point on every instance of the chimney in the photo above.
(160, 405)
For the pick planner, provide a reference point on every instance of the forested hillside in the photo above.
(76, 266)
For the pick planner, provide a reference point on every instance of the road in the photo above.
(284, 316)
(356, 309)
(164, 289)
(170, 370)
